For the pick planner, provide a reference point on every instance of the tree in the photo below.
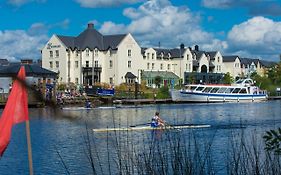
(158, 81)
(227, 79)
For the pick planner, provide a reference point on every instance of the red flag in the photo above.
(15, 111)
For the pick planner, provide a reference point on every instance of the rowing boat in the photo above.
(139, 128)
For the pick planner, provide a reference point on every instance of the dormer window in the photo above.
(187, 57)
(152, 56)
(218, 59)
(87, 52)
(147, 55)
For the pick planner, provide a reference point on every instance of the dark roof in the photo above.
(268, 63)
(212, 54)
(197, 53)
(130, 75)
(230, 58)
(246, 61)
(4, 62)
(31, 70)
(163, 74)
(91, 38)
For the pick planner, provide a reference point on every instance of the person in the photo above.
(156, 121)
(88, 104)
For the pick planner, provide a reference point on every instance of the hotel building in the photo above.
(91, 58)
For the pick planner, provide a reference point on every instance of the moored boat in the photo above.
(243, 90)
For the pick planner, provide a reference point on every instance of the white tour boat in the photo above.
(242, 90)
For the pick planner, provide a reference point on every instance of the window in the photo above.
(110, 64)
(186, 67)
(152, 66)
(57, 64)
(76, 64)
(129, 53)
(96, 52)
(87, 63)
(57, 53)
(147, 55)
(87, 52)
(189, 67)
(147, 65)
(152, 55)
(168, 66)
(76, 80)
(129, 64)
(51, 64)
(110, 80)
(218, 59)
(96, 63)
(187, 57)
(161, 66)
(51, 54)
(77, 53)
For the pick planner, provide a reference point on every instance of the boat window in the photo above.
(221, 90)
(236, 90)
(243, 91)
(193, 87)
(229, 90)
(239, 81)
(207, 89)
(214, 90)
(200, 88)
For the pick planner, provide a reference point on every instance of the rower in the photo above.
(88, 104)
(156, 121)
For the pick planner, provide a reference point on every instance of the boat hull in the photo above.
(140, 128)
(182, 96)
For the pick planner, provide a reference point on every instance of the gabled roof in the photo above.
(130, 75)
(32, 70)
(91, 38)
(197, 53)
(212, 54)
(230, 58)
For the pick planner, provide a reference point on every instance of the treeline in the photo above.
(271, 81)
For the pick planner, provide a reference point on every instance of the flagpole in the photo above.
(29, 147)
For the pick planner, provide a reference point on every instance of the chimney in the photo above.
(196, 47)
(90, 25)
(181, 46)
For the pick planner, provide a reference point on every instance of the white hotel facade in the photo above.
(92, 57)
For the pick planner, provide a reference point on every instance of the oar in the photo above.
(167, 124)
(140, 124)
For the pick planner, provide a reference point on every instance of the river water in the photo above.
(58, 138)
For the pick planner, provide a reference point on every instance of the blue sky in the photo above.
(248, 28)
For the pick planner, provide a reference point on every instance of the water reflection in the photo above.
(52, 135)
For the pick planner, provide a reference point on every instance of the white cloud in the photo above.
(105, 3)
(221, 4)
(159, 21)
(257, 36)
(22, 2)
